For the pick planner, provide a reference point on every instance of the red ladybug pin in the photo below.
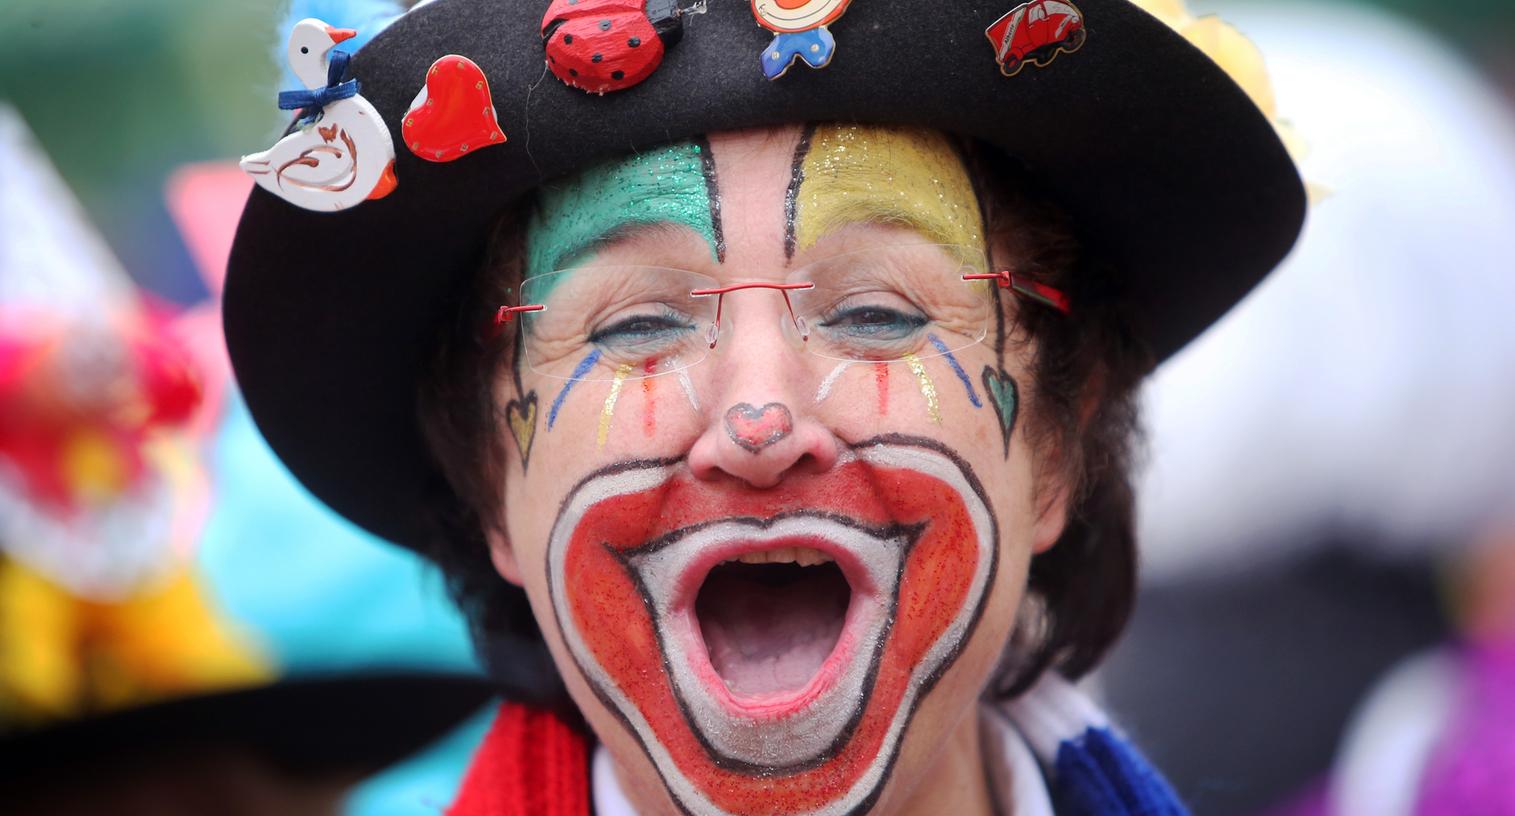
(600, 46)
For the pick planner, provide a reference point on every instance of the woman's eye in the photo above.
(874, 321)
(640, 328)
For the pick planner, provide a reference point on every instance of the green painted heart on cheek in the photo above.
(1005, 396)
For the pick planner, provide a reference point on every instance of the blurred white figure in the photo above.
(51, 260)
(1369, 384)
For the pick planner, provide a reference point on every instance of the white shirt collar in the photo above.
(1015, 778)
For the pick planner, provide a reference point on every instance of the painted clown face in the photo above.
(771, 503)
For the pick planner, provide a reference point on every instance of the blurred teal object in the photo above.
(427, 782)
(324, 596)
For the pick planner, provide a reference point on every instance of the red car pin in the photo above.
(1036, 32)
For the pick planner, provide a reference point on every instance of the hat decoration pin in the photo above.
(340, 153)
(602, 46)
(800, 32)
(1036, 32)
(453, 114)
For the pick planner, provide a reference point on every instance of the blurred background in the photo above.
(1328, 510)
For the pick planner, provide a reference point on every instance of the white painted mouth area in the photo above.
(782, 730)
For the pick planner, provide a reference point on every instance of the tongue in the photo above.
(769, 627)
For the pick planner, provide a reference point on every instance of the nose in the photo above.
(761, 443)
(762, 430)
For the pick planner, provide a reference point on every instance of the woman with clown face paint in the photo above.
(778, 459)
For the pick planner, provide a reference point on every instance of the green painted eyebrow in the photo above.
(671, 185)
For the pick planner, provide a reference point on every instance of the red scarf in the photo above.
(532, 763)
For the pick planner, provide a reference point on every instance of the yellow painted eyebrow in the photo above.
(854, 174)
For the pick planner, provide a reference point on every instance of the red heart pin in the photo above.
(757, 428)
(453, 115)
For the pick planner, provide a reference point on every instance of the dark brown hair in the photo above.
(1080, 410)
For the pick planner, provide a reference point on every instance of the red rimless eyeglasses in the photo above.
(1039, 292)
(1006, 279)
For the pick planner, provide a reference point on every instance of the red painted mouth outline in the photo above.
(947, 491)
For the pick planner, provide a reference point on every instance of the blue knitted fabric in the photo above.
(1099, 774)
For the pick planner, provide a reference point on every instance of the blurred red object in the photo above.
(78, 403)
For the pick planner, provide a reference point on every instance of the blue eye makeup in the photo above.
(872, 323)
(643, 331)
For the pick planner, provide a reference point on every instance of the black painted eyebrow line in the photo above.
(713, 195)
(792, 195)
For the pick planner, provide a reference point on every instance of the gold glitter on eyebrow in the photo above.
(893, 175)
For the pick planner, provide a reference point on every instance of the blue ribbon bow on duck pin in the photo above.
(800, 32)
(339, 153)
(315, 100)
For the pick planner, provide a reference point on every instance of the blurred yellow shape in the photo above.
(1240, 58)
(63, 656)
(94, 466)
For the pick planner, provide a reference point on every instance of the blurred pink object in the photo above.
(206, 201)
(1473, 767)
(1436, 736)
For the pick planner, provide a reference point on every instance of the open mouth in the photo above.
(770, 619)
(769, 657)
(771, 646)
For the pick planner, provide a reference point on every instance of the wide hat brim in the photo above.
(354, 724)
(1167, 168)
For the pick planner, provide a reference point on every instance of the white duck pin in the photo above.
(341, 154)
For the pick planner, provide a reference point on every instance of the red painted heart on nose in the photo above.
(757, 428)
(454, 114)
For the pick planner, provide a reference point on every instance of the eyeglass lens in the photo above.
(880, 304)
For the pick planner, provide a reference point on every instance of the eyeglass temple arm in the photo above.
(507, 314)
(1040, 292)
(782, 288)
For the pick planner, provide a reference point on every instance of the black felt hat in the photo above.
(1169, 171)
(348, 724)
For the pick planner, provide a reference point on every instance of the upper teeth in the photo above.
(804, 556)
